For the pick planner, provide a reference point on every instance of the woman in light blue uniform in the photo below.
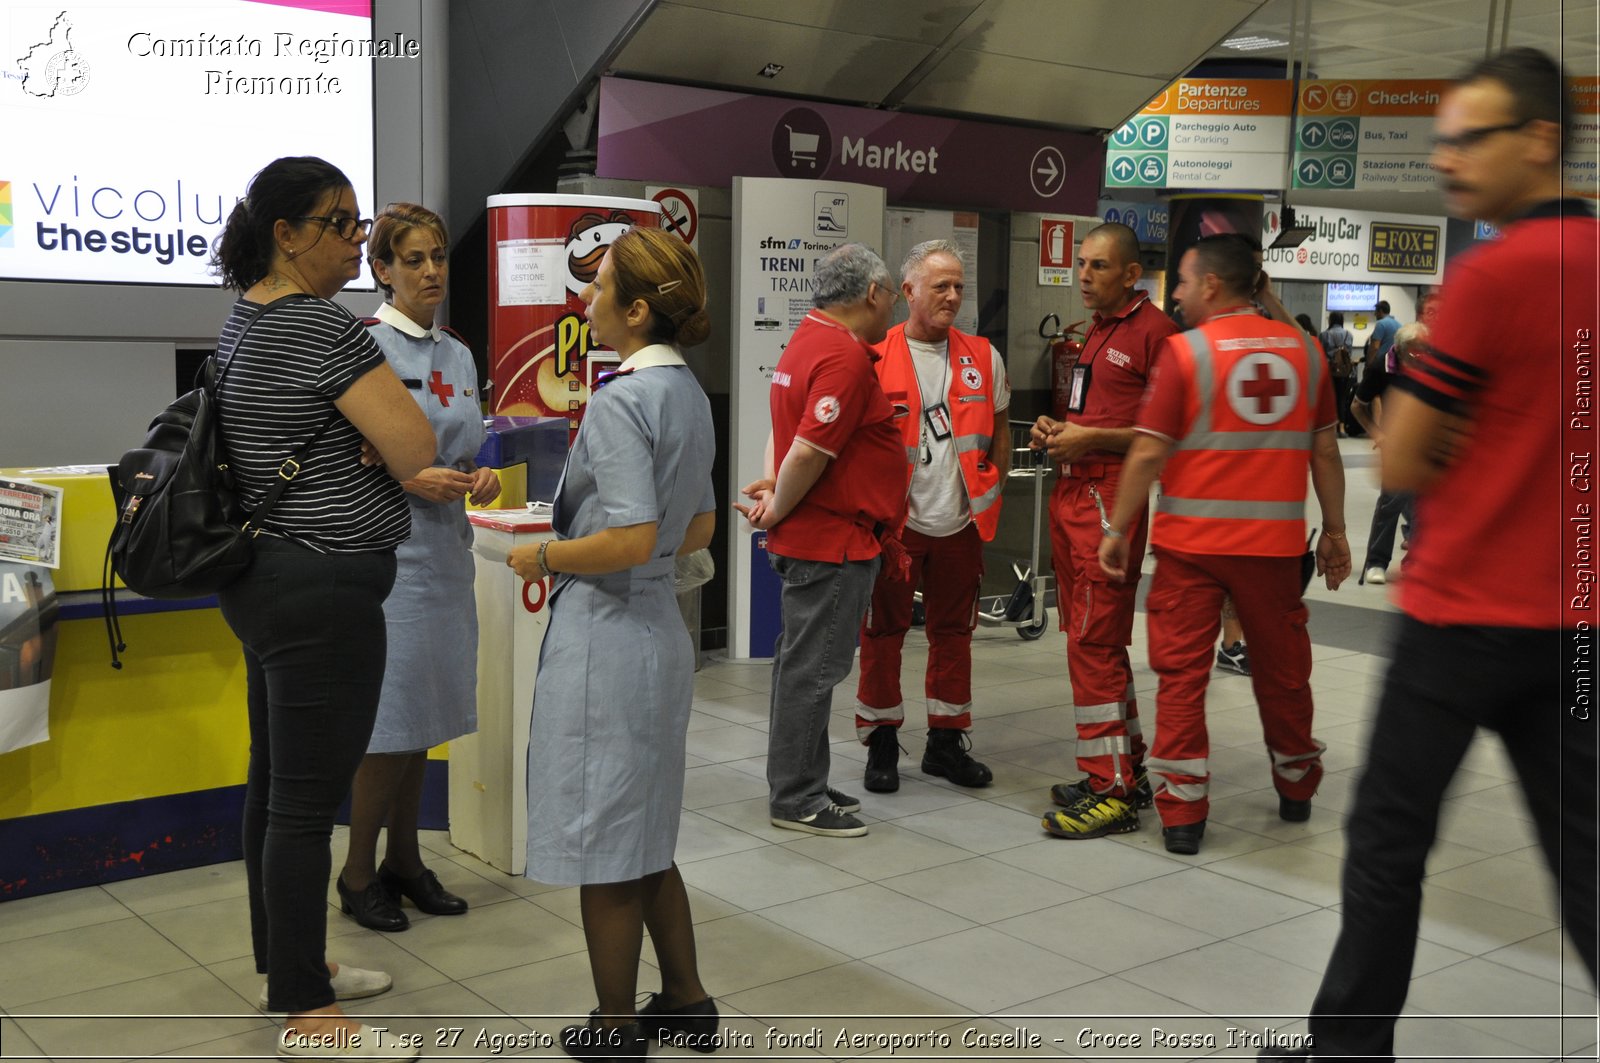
(616, 671)
(430, 678)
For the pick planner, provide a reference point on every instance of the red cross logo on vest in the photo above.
(1263, 387)
(440, 388)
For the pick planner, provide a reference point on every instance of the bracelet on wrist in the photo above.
(1109, 531)
(544, 566)
(1333, 535)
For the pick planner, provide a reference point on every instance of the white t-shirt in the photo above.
(938, 501)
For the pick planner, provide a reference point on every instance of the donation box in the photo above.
(489, 769)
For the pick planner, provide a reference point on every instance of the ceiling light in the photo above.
(1252, 43)
(771, 70)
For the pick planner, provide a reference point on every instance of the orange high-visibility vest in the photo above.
(1236, 482)
(971, 403)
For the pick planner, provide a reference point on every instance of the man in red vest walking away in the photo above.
(1238, 410)
(950, 394)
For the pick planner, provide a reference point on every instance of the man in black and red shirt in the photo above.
(1493, 429)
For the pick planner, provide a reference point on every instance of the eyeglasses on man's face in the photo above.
(1468, 139)
(344, 228)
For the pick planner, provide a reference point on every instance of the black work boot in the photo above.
(883, 755)
(947, 755)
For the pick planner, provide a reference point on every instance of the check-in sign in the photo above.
(1365, 135)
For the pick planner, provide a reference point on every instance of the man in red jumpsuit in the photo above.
(1096, 610)
(950, 394)
(1239, 408)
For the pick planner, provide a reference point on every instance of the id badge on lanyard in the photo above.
(1078, 392)
(938, 418)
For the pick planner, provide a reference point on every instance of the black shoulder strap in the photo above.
(291, 465)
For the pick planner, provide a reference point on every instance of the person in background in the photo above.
(833, 495)
(1238, 413)
(1367, 408)
(309, 610)
(1382, 338)
(950, 393)
(1339, 345)
(1096, 611)
(431, 613)
(616, 671)
(1489, 637)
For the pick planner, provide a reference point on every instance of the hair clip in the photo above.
(663, 289)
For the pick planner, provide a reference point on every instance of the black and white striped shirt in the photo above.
(279, 388)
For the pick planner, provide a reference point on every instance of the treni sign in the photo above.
(686, 136)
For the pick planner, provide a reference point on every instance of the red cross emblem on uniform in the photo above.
(1263, 387)
(440, 388)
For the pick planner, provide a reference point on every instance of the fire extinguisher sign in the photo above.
(1055, 252)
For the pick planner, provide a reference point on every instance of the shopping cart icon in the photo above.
(802, 147)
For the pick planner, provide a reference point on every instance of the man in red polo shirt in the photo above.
(950, 394)
(1097, 610)
(1489, 426)
(1239, 410)
(835, 486)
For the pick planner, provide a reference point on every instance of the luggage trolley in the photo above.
(1024, 608)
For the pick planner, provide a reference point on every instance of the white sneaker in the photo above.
(1375, 575)
(361, 1043)
(351, 983)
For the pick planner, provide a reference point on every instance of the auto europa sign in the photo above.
(678, 135)
(1361, 246)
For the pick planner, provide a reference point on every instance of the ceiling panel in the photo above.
(1116, 33)
(920, 22)
(728, 51)
(974, 83)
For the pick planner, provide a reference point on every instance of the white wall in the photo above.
(80, 361)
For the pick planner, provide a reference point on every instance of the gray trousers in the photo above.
(822, 605)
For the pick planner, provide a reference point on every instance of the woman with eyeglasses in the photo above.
(616, 671)
(431, 680)
(299, 373)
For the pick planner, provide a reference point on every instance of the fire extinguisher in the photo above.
(1062, 347)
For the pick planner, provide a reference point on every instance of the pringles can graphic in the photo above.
(543, 251)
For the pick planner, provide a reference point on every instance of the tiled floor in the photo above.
(957, 917)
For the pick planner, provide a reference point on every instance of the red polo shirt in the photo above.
(1496, 543)
(825, 393)
(1120, 351)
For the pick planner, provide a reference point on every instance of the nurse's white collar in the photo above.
(390, 314)
(651, 356)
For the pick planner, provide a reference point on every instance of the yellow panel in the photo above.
(513, 489)
(171, 721)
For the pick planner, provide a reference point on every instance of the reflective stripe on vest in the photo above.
(1199, 509)
(972, 422)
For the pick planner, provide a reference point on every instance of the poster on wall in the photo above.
(905, 228)
(780, 228)
(28, 614)
(131, 130)
(30, 523)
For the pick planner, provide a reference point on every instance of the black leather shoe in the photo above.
(424, 891)
(947, 755)
(594, 1043)
(690, 1026)
(1185, 839)
(1292, 811)
(883, 755)
(371, 907)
